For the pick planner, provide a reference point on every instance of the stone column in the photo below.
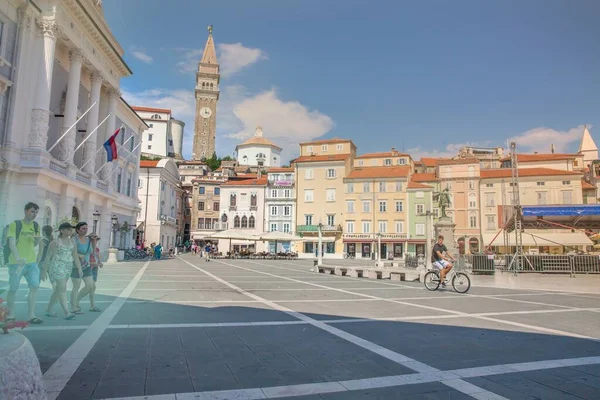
(113, 95)
(40, 114)
(89, 147)
(66, 146)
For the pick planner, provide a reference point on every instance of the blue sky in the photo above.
(425, 77)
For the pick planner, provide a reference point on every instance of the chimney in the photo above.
(552, 148)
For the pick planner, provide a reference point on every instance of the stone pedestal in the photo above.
(112, 256)
(20, 374)
(445, 227)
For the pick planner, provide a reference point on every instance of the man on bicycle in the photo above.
(440, 261)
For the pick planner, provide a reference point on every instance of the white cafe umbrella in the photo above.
(279, 237)
(233, 234)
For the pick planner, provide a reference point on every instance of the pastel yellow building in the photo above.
(537, 186)
(320, 172)
(384, 159)
(376, 205)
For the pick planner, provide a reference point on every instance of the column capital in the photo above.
(113, 93)
(97, 76)
(26, 15)
(48, 27)
(77, 55)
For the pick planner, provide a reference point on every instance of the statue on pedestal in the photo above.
(443, 199)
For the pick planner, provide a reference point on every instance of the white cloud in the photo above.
(449, 151)
(233, 57)
(286, 123)
(541, 139)
(143, 57)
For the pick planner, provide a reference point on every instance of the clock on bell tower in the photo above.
(207, 95)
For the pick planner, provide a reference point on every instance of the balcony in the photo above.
(253, 208)
(281, 183)
(232, 208)
(315, 228)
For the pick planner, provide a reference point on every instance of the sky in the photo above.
(425, 77)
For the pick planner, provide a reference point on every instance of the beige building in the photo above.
(320, 172)
(537, 186)
(461, 178)
(387, 159)
(560, 161)
(206, 207)
(376, 209)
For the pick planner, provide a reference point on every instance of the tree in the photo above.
(213, 163)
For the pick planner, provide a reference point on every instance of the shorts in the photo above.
(95, 273)
(441, 264)
(30, 271)
(87, 271)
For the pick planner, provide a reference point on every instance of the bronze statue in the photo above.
(443, 199)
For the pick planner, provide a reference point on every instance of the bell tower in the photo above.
(207, 95)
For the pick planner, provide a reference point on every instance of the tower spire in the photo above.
(209, 56)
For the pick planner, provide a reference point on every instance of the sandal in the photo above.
(51, 314)
(70, 316)
(95, 309)
(35, 321)
(77, 310)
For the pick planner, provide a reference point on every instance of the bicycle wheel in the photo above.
(461, 282)
(432, 280)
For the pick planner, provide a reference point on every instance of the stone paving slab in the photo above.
(364, 309)
(157, 361)
(452, 347)
(571, 300)
(50, 345)
(483, 305)
(580, 322)
(166, 313)
(175, 295)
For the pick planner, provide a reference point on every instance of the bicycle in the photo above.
(460, 281)
(349, 255)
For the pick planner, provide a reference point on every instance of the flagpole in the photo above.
(91, 133)
(72, 126)
(88, 161)
(125, 159)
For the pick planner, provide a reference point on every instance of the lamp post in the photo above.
(96, 216)
(319, 250)
(115, 226)
(112, 251)
(378, 249)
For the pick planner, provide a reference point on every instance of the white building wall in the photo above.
(246, 155)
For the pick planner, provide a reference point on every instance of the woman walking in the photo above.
(95, 263)
(61, 256)
(85, 246)
(43, 264)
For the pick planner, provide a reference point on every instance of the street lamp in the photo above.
(96, 216)
(320, 245)
(428, 248)
(115, 227)
(378, 249)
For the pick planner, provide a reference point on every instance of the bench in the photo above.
(397, 276)
(356, 272)
(327, 270)
(341, 271)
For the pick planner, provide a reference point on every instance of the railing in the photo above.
(232, 208)
(83, 178)
(281, 183)
(102, 186)
(253, 208)
(558, 263)
(58, 166)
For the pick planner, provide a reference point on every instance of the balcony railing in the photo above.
(282, 182)
(232, 208)
(315, 228)
(253, 208)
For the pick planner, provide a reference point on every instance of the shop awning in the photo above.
(540, 238)
(325, 239)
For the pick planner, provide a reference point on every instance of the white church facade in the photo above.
(258, 151)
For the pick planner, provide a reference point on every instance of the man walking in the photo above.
(23, 235)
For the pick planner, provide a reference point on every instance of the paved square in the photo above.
(243, 329)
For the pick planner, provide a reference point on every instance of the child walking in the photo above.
(62, 255)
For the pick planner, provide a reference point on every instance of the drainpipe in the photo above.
(146, 206)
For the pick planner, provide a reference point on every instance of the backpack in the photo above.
(45, 251)
(19, 227)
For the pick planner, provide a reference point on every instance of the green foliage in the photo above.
(150, 158)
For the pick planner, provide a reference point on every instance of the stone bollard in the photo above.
(20, 373)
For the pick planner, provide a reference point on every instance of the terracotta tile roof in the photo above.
(543, 157)
(524, 172)
(587, 186)
(470, 160)
(332, 157)
(324, 141)
(424, 177)
(151, 109)
(282, 169)
(415, 185)
(379, 172)
(431, 161)
(418, 162)
(148, 163)
(383, 154)
(247, 182)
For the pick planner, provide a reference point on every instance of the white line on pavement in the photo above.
(449, 378)
(375, 348)
(59, 373)
(521, 325)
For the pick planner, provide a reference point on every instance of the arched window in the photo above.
(253, 200)
(224, 218)
(75, 214)
(232, 200)
(203, 84)
(211, 85)
(251, 222)
(244, 222)
(47, 216)
(236, 222)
